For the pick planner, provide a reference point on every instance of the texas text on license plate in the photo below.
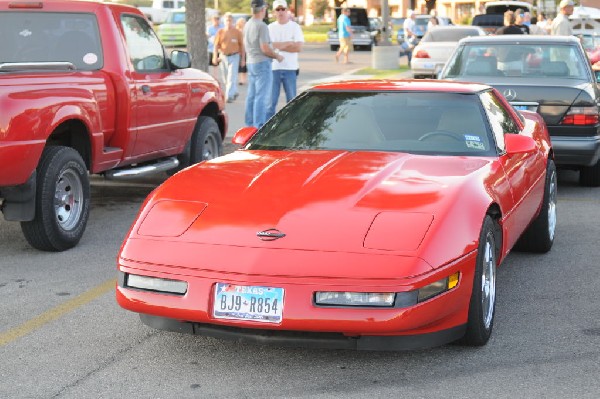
(242, 302)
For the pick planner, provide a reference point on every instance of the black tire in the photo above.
(206, 143)
(539, 236)
(334, 47)
(482, 306)
(62, 203)
(589, 176)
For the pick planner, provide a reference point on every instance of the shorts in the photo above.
(346, 44)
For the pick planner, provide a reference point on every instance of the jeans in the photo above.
(258, 96)
(229, 70)
(284, 77)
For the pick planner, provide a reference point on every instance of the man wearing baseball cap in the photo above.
(561, 25)
(287, 37)
(259, 55)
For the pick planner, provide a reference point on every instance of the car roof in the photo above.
(402, 85)
(521, 39)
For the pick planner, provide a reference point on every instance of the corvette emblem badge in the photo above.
(270, 235)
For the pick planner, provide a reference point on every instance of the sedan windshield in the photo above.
(416, 122)
(527, 61)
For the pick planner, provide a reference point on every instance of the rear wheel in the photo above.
(334, 47)
(62, 202)
(482, 306)
(539, 236)
(589, 176)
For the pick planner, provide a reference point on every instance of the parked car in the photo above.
(363, 35)
(547, 74)
(432, 52)
(87, 88)
(421, 22)
(374, 216)
(159, 10)
(591, 45)
(493, 18)
(173, 32)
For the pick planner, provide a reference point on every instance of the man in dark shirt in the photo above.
(509, 27)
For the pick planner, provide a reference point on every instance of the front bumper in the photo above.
(433, 322)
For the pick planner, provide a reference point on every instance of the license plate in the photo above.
(429, 65)
(172, 37)
(521, 107)
(243, 302)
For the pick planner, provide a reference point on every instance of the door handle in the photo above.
(145, 89)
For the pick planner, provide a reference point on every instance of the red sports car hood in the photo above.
(309, 200)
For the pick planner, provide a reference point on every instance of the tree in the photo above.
(195, 21)
(319, 7)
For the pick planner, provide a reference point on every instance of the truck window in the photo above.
(145, 50)
(32, 37)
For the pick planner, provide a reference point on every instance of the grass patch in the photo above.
(381, 73)
(316, 33)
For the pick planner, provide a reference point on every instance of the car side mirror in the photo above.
(518, 144)
(242, 136)
(180, 59)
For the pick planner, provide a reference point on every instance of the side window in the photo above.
(501, 121)
(145, 50)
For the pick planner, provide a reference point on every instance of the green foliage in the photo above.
(241, 6)
(319, 7)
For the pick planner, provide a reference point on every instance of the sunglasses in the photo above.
(280, 9)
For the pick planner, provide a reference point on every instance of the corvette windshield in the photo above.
(417, 122)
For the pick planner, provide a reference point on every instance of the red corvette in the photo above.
(366, 214)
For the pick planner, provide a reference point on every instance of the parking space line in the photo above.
(56, 312)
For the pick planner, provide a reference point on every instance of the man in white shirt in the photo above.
(561, 24)
(287, 39)
(410, 38)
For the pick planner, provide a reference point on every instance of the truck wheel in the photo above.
(62, 203)
(206, 140)
(589, 176)
(334, 47)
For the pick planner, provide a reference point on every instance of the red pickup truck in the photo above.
(87, 88)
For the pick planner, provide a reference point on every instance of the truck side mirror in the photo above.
(180, 59)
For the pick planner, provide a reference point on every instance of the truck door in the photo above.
(159, 97)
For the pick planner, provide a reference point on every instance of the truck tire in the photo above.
(206, 141)
(62, 203)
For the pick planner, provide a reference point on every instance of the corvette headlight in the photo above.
(376, 299)
(386, 299)
(156, 284)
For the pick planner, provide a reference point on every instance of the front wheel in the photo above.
(62, 202)
(206, 140)
(482, 306)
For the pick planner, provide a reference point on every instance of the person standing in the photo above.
(242, 71)
(344, 28)
(211, 32)
(561, 24)
(287, 37)
(259, 53)
(410, 36)
(229, 54)
(520, 21)
(509, 27)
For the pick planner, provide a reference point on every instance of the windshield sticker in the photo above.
(25, 33)
(469, 137)
(90, 58)
(476, 145)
